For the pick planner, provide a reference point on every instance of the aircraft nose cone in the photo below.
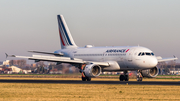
(153, 62)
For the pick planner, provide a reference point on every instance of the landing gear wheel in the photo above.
(83, 78)
(126, 77)
(121, 77)
(139, 79)
(88, 79)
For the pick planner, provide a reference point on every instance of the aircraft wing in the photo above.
(160, 59)
(57, 54)
(38, 58)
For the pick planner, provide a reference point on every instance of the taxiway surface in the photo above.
(91, 82)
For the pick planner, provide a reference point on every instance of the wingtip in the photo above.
(9, 55)
(175, 58)
(6, 55)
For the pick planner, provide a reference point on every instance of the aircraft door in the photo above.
(129, 58)
(130, 55)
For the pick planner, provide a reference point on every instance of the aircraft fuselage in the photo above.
(127, 58)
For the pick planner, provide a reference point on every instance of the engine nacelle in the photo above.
(92, 70)
(150, 73)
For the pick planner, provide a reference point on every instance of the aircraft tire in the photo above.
(88, 79)
(83, 78)
(139, 79)
(126, 77)
(121, 77)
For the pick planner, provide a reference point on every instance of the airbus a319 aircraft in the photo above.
(93, 60)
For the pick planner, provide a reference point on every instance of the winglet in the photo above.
(9, 55)
(175, 57)
(6, 55)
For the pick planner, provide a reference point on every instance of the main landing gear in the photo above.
(84, 77)
(139, 76)
(124, 77)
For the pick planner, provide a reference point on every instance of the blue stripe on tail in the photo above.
(62, 32)
(69, 41)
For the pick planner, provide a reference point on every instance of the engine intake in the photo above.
(92, 70)
(150, 73)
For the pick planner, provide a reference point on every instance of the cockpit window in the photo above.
(142, 54)
(152, 54)
(145, 53)
(148, 54)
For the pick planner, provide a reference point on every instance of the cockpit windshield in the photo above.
(152, 54)
(145, 53)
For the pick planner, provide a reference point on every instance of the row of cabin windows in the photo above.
(145, 53)
(99, 54)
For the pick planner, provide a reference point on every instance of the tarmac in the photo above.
(92, 82)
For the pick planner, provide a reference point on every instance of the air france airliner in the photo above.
(91, 60)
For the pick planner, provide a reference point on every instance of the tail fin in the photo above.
(64, 33)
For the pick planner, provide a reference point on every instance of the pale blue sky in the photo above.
(32, 24)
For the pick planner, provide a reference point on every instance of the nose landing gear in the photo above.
(139, 76)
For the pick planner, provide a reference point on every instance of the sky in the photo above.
(32, 24)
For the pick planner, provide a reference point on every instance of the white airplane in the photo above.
(93, 60)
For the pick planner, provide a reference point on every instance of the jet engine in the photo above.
(92, 70)
(150, 73)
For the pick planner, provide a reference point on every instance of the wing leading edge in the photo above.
(160, 59)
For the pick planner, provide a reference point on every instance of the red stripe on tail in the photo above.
(61, 38)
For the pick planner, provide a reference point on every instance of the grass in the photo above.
(87, 92)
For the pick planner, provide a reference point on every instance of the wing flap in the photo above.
(60, 59)
(57, 54)
(51, 58)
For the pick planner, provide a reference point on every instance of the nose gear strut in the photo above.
(139, 76)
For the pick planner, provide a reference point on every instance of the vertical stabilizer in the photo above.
(66, 39)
